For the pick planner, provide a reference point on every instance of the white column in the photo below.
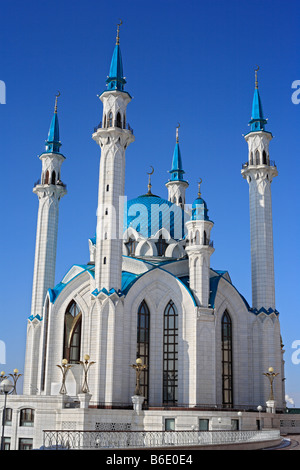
(113, 141)
(259, 172)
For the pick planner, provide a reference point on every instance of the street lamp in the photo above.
(64, 367)
(6, 386)
(139, 367)
(86, 365)
(15, 376)
(271, 376)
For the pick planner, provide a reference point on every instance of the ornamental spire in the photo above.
(257, 121)
(177, 170)
(53, 143)
(118, 33)
(256, 82)
(116, 80)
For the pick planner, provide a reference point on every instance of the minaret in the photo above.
(49, 191)
(199, 250)
(113, 137)
(259, 171)
(177, 185)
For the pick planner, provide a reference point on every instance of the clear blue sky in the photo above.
(185, 61)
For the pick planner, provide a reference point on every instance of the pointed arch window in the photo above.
(119, 120)
(110, 119)
(143, 341)
(53, 176)
(161, 246)
(131, 246)
(264, 158)
(47, 177)
(227, 382)
(72, 333)
(170, 354)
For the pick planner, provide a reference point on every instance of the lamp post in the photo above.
(6, 386)
(259, 409)
(15, 376)
(86, 365)
(64, 367)
(139, 367)
(271, 376)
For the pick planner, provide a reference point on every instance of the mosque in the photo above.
(147, 335)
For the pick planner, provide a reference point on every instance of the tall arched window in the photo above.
(47, 177)
(142, 349)
(227, 383)
(257, 158)
(53, 177)
(110, 119)
(170, 354)
(119, 121)
(72, 333)
(264, 158)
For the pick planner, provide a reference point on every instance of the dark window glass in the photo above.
(227, 360)
(170, 354)
(27, 417)
(143, 341)
(72, 334)
(131, 246)
(161, 246)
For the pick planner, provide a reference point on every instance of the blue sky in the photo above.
(185, 61)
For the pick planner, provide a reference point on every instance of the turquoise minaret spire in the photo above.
(115, 80)
(177, 170)
(257, 118)
(53, 143)
(176, 184)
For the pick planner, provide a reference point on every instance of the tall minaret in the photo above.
(199, 250)
(113, 137)
(177, 185)
(259, 171)
(49, 191)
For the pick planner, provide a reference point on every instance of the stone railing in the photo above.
(69, 439)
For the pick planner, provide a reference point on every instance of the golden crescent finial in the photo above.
(177, 133)
(149, 180)
(199, 184)
(56, 96)
(118, 32)
(256, 82)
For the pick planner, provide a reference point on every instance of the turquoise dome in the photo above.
(199, 209)
(149, 213)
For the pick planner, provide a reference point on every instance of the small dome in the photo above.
(199, 209)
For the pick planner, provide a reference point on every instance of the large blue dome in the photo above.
(149, 213)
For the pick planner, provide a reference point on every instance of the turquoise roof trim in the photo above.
(54, 293)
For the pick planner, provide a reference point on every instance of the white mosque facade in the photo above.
(149, 293)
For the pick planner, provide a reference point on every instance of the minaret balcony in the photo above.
(116, 124)
(270, 163)
(193, 242)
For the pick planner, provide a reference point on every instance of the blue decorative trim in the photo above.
(37, 317)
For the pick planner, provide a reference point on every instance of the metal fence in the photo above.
(80, 440)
